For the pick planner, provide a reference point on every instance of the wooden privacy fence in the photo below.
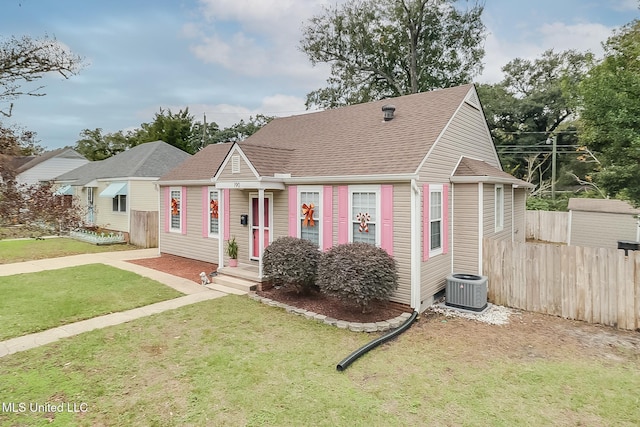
(596, 285)
(547, 226)
(144, 229)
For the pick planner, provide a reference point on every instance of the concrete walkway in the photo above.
(193, 293)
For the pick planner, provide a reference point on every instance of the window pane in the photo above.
(435, 235)
(308, 231)
(363, 236)
(115, 204)
(436, 205)
(214, 214)
(123, 203)
(364, 204)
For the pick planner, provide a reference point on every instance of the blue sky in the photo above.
(232, 59)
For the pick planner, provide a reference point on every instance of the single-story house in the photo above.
(601, 223)
(111, 190)
(47, 166)
(416, 175)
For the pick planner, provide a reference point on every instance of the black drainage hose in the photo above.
(344, 364)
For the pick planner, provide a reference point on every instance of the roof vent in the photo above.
(388, 110)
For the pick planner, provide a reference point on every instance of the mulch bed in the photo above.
(178, 266)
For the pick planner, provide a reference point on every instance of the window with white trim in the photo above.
(175, 209)
(499, 208)
(435, 220)
(214, 214)
(119, 203)
(364, 215)
(309, 215)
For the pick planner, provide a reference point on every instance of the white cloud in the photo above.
(558, 36)
(625, 5)
(256, 38)
(586, 36)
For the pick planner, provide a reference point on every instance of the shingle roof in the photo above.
(355, 140)
(602, 205)
(477, 168)
(201, 166)
(66, 152)
(151, 159)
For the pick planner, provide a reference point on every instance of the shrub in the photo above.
(291, 262)
(357, 273)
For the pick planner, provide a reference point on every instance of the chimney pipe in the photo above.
(388, 110)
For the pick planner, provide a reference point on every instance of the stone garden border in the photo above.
(342, 324)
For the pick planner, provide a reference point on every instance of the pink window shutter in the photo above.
(183, 210)
(386, 202)
(445, 218)
(293, 211)
(205, 211)
(343, 214)
(327, 217)
(425, 222)
(167, 208)
(226, 200)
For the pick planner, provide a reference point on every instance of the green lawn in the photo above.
(37, 301)
(236, 362)
(27, 250)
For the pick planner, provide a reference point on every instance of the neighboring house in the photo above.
(416, 175)
(47, 166)
(112, 189)
(601, 223)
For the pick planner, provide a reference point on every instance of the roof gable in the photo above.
(147, 160)
(355, 140)
(201, 166)
(477, 170)
(66, 153)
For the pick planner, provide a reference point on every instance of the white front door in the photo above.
(254, 224)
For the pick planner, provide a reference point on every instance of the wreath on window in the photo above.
(364, 219)
(174, 207)
(307, 211)
(214, 209)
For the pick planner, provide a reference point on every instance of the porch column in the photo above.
(260, 230)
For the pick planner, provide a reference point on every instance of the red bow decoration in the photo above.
(307, 211)
(174, 207)
(364, 219)
(214, 209)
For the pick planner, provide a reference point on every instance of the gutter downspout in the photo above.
(158, 188)
(480, 224)
(415, 246)
(221, 226)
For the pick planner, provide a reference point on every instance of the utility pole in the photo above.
(204, 129)
(554, 141)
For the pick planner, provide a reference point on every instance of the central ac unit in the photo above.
(466, 291)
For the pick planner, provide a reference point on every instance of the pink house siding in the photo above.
(343, 214)
(293, 211)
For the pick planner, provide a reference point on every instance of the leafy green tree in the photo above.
(174, 129)
(610, 113)
(535, 101)
(236, 132)
(26, 59)
(96, 146)
(382, 48)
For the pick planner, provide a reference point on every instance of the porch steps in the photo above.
(246, 272)
(235, 282)
(225, 289)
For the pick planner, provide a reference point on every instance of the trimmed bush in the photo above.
(357, 273)
(291, 262)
